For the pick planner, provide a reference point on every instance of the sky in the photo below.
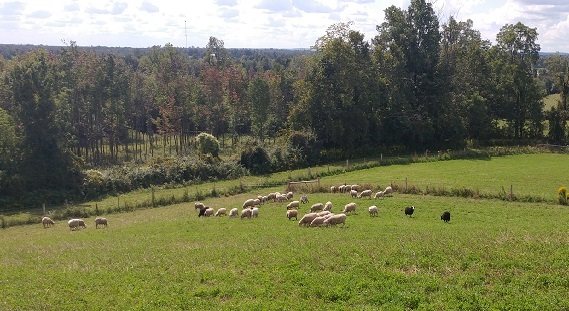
(252, 23)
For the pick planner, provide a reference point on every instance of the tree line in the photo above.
(418, 84)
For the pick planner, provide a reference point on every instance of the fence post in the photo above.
(318, 183)
(512, 192)
(153, 198)
(405, 184)
(43, 206)
(118, 202)
(381, 157)
(96, 209)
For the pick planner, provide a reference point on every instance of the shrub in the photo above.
(306, 144)
(562, 195)
(256, 159)
(208, 144)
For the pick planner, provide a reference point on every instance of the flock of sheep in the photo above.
(76, 223)
(319, 215)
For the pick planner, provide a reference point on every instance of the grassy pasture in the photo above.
(492, 255)
(534, 174)
(529, 174)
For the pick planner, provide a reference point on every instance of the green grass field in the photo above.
(492, 255)
(529, 174)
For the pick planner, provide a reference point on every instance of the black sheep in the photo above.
(445, 216)
(202, 211)
(409, 210)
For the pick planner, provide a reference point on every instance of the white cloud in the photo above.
(252, 23)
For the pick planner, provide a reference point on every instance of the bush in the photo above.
(208, 144)
(562, 195)
(306, 144)
(256, 159)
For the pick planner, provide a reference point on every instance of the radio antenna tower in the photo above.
(186, 33)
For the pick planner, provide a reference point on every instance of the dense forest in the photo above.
(418, 84)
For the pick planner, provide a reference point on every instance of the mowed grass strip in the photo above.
(492, 255)
(528, 174)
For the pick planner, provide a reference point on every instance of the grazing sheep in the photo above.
(316, 207)
(249, 202)
(247, 213)
(75, 224)
(293, 204)
(307, 219)
(265, 199)
(221, 212)
(365, 193)
(409, 210)
(353, 193)
(304, 199)
(317, 222)
(350, 208)
(378, 194)
(355, 187)
(271, 196)
(199, 205)
(234, 212)
(47, 222)
(445, 216)
(341, 188)
(281, 198)
(388, 190)
(277, 196)
(373, 210)
(209, 212)
(255, 212)
(333, 189)
(328, 216)
(100, 221)
(289, 195)
(335, 220)
(256, 202)
(202, 211)
(292, 213)
(328, 206)
(260, 198)
(323, 213)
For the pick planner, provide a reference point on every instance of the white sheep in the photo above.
(333, 189)
(289, 195)
(101, 221)
(265, 199)
(323, 213)
(341, 188)
(234, 212)
(328, 206)
(317, 222)
(221, 212)
(350, 208)
(378, 194)
(255, 212)
(249, 202)
(304, 199)
(292, 214)
(209, 212)
(373, 210)
(365, 193)
(354, 193)
(260, 198)
(199, 205)
(47, 222)
(293, 204)
(335, 220)
(281, 198)
(75, 224)
(256, 202)
(271, 196)
(307, 219)
(388, 190)
(355, 187)
(246, 213)
(316, 207)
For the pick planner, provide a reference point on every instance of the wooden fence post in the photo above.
(405, 184)
(43, 206)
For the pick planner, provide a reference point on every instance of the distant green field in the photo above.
(492, 255)
(528, 174)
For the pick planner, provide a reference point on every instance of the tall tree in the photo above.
(515, 57)
(260, 99)
(558, 67)
(45, 163)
